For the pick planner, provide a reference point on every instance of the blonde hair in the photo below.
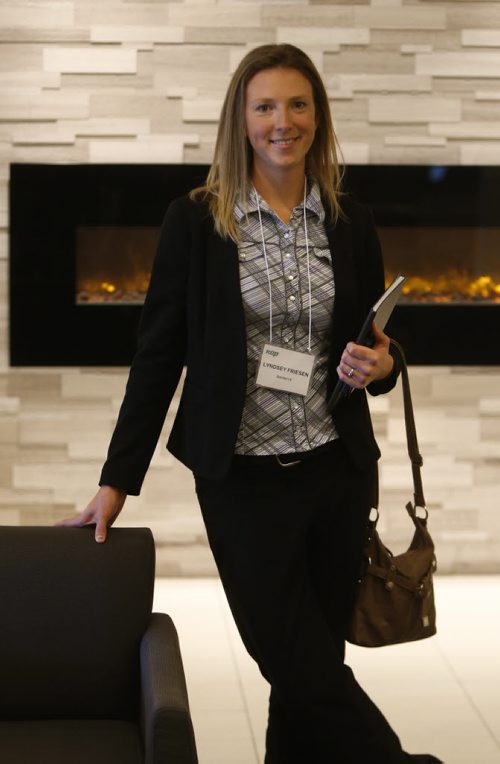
(229, 175)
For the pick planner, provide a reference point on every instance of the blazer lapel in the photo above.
(346, 304)
(225, 315)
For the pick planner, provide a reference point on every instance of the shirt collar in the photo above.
(249, 205)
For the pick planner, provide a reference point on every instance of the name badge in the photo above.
(287, 370)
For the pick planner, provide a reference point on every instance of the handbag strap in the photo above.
(411, 432)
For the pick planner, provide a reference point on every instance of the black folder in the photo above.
(380, 314)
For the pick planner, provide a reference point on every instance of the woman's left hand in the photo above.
(361, 365)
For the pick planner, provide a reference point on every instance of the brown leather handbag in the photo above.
(395, 595)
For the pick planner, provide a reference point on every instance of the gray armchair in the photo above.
(88, 675)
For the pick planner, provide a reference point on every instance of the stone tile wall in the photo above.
(412, 81)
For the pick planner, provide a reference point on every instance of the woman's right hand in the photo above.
(102, 510)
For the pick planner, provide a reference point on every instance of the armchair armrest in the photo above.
(166, 720)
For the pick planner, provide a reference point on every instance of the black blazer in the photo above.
(193, 316)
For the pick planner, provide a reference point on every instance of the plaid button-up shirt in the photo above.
(276, 422)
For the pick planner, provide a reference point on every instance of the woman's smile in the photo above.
(284, 142)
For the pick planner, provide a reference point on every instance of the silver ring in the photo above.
(350, 373)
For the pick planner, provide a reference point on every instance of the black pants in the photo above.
(287, 543)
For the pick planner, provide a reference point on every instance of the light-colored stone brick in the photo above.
(110, 127)
(396, 83)
(48, 13)
(40, 134)
(137, 34)
(97, 60)
(218, 15)
(3, 245)
(92, 13)
(479, 153)
(34, 105)
(408, 17)
(466, 64)
(201, 110)
(488, 130)
(329, 15)
(9, 405)
(90, 385)
(327, 39)
(419, 108)
(489, 38)
(489, 405)
(410, 49)
(355, 153)
(38, 80)
(137, 152)
(414, 140)
(487, 95)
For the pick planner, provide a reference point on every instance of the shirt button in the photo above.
(287, 254)
(291, 278)
(292, 298)
(287, 235)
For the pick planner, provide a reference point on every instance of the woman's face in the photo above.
(280, 118)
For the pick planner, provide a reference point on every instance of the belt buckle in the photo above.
(287, 464)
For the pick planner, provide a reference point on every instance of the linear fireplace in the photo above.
(82, 240)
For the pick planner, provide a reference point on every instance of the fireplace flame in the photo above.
(131, 290)
(454, 286)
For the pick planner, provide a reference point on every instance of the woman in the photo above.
(262, 278)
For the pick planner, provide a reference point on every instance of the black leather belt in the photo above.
(288, 460)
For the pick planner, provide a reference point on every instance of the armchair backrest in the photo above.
(72, 614)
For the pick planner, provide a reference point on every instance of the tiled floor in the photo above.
(441, 695)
